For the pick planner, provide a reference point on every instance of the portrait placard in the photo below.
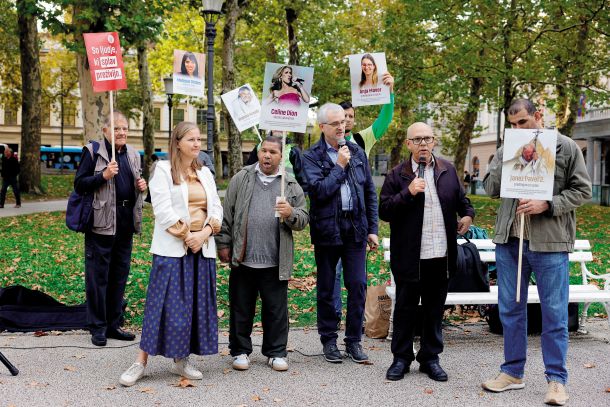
(528, 164)
(188, 73)
(286, 95)
(243, 106)
(366, 71)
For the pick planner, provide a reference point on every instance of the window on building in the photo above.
(69, 113)
(10, 116)
(201, 119)
(157, 114)
(177, 117)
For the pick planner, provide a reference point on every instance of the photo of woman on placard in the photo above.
(286, 89)
(189, 65)
(369, 77)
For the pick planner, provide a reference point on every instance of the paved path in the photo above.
(33, 207)
(66, 370)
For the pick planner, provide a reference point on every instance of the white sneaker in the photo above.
(241, 362)
(132, 375)
(278, 364)
(183, 368)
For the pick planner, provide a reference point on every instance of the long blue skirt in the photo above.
(180, 312)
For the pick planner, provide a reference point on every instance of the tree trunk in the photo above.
(148, 130)
(233, 13)
(31, 99)
(294, 57)
(217, 154)
(467, 123)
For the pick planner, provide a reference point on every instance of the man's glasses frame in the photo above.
(418, 140)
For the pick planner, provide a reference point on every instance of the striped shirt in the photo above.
(433, 234)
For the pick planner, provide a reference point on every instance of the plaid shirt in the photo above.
(433, 236)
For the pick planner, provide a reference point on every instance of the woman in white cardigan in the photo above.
(180, 311)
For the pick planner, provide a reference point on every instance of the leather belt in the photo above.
(125, 202)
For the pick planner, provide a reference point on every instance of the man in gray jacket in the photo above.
(259, 246)
(549, 233)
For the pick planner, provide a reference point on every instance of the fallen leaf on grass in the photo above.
(292, 321)
(257, 324)
(184, 383)
(110, 387)
(589, 365)
(147, 390)
(428, 391)
(220, 313)
(70, 368)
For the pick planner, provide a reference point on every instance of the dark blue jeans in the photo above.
(353, 257)
(552, 280)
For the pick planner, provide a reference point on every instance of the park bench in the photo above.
(585, 292)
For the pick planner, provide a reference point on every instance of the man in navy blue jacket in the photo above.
(343, 219)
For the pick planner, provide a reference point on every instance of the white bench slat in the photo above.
(490, 257)
(578, 293)
(488, 244)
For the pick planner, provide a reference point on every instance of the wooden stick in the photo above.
(283, 165)
(112, 123)
(522, 217)
(258, 134)
(188, 110)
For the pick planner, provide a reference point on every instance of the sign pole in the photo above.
(258, 134)
(112, 123)
(520, 260)
(283, 165)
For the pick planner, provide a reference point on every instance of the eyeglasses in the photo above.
(118, 129)
(418, 140)
(336, 124)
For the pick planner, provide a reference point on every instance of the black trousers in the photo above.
(432, 290)
(107, 260)
(13, 183)
(245, 284)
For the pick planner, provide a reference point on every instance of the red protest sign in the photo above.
(105, 61)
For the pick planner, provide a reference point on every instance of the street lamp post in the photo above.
(169, 91)
(211, 13)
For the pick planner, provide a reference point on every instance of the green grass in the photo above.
(39, 252)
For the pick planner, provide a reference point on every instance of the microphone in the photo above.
(422, 166)
(341, 142)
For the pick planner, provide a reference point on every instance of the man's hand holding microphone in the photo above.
(418, 184)
(344, 154)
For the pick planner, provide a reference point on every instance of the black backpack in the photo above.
(471, 275)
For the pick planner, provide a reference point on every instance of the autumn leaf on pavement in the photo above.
(183, 383)
(266, 389)
(255, 397)
(110, 387)
(589, 365)
(276, 400)
(147, 390)
(224, 352)
(428, 390)
(70, 368)
(40, 333)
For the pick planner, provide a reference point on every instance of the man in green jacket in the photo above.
(256, 239)
(549, 233)
(366, 139)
